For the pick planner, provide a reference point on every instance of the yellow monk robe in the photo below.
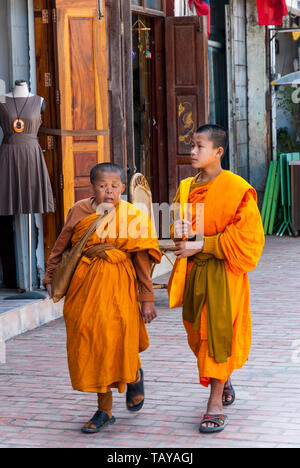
(233, 232)
(105, 329)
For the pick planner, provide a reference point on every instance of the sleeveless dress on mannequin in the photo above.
(25, 185)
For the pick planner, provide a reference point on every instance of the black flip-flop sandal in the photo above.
(99, 420)
(220, 421)
(228, 391)
(134, 390)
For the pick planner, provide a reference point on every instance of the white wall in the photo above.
(18, 31)
(4, 62)
(181, 8)
(292, 3)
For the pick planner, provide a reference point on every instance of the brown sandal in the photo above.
(219, 420)
(228, 391)
(97, 423)
(134, 390)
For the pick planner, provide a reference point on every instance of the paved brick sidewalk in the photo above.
(38, 408)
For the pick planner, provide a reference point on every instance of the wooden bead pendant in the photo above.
(19, 126)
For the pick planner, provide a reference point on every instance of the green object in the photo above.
(273, 168)
(284, 196)
(264, 207)
(275, 200)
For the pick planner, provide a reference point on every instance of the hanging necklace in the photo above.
(18, 124)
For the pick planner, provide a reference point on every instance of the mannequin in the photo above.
(21, 91)
(27, 188)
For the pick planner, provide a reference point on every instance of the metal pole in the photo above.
(272, 35)
(30, 251)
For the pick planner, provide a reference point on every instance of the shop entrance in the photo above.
(158, 91)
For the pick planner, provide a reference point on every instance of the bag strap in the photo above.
(92, 228)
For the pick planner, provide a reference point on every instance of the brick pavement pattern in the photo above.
(38, 407)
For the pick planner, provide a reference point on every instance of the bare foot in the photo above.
(215, 402)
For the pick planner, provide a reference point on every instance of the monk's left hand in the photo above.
(188, 249)
(148, 311)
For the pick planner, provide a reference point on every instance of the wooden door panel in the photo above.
(82, 71)
(82, 167)
(186, 123)
(187, 91)
(82, 76)
(78, 4)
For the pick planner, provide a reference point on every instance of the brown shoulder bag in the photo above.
(65, 270)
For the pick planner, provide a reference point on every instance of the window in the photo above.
(149, 4)
(154, 4)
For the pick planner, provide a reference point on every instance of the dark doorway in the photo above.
(218, 69)
(142, 56)
(7, 254)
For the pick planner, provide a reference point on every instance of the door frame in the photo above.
(159, 113)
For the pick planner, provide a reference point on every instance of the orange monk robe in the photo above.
(233, 232)
(105, 329)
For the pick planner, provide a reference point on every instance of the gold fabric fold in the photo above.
(100, 250)
(207, 283)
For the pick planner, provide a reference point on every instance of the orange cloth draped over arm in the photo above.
(242, 241)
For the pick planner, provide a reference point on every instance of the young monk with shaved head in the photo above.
(210, 276)
(104, 321)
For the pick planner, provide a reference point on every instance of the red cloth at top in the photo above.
(271, 12)
(202, 8)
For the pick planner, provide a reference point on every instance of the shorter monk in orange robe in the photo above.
(210, 275)
(105, 323)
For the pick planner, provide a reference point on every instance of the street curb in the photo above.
(28, 317)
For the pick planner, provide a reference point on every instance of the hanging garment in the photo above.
(25, 185)
(202, 8)
(271, 12)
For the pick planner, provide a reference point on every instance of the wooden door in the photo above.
(159, 114)
(187, 91)
(81, 70)
(46, 85)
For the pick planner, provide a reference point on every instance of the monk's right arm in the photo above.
(62, 243)
(142, 266)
